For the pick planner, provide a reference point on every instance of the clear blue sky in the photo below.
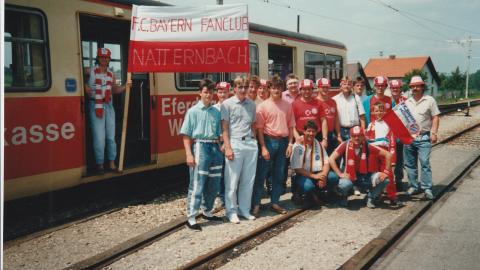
(367, 27)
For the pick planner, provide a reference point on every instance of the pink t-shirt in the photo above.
(275, 117)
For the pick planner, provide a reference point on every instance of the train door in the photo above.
(114, 34)
(280, 60)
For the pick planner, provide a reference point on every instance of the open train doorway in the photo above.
(114, 34)
(280, 60)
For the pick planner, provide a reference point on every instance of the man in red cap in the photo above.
(99, 89)
(380, 84)
(223, 89)
(358, 169)
(329, 108)
(426, 113)
(396, 90)
(263, 91)
(307, 108)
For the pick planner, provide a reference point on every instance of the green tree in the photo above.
(456, 81)
(409, 75)
(474, 81)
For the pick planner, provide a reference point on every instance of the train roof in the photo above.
(253, 26)
(289, 34)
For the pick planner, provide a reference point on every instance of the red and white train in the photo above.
(48, 46)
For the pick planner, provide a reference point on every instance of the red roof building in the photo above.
(396, 67)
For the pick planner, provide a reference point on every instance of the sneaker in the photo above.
(248, 217)
(396, 202)
(356, 191)
(212, 217)
(192, 225)
(428, 194)
(412, 191)
(234, 219)
(370, 203)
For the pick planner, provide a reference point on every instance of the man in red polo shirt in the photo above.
(380, 83)
(329, 108)
(307, 108)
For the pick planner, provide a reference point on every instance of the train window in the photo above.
(334, 69)
(26, 50)
(189, 81)
(314, 65)
(89, 53)
(254, 62)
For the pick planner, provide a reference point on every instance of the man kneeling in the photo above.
(357, 154)
(310, 162)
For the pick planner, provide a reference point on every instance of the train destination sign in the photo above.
(189, 39)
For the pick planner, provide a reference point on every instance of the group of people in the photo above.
(339, 145)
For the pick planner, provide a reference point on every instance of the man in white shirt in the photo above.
(350, 109)
(426, 113)
(310, 162)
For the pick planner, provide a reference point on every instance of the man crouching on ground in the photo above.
(201, 130)
(310, 162)
(356, 153)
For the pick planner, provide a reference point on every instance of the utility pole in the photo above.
(298, 23)
(462, 43)
(469, 56)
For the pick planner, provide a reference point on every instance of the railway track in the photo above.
(221, 255)
(42, 217)
(216, 258)
(378, 247)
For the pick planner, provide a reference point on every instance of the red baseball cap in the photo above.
(323, 82)
(395, 84)
(380, 81)
(223, 85)
(103, 52)
(357, 130)
(306, 83)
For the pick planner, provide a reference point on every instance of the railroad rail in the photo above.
(48, 222)
(377, 247)
(217, 256)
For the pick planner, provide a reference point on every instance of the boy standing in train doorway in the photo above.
(201, 131)
(99, 89)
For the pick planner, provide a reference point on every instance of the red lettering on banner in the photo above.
(224, 24)
(142, 24)
(214, 56)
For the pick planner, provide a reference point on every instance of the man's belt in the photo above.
(275, 137)
(206, 141)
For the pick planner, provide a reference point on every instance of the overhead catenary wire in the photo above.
(411, 18)
(349, 22)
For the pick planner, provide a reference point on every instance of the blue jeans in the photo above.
(103, 132)
(332, 142)
(345, 186)
(306, 185)
(399, 164)
(204, 177)
(276, 165)
(420, 149)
